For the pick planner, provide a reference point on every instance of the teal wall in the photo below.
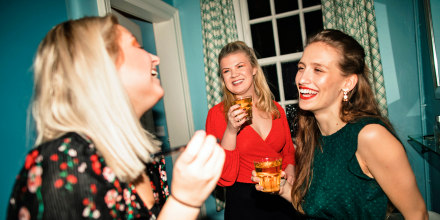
(23, 24)
(190, 23)
(408, 81)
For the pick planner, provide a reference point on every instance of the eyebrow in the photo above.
(313, 64)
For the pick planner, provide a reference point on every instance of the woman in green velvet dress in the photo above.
(350, 164)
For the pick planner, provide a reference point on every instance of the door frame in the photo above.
(169, 46)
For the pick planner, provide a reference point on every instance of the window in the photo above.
(278, 31)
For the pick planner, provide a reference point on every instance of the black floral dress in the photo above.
(66, 178)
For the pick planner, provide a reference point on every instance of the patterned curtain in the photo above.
(218, 29)
(357, 18)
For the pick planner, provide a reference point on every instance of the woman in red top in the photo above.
(266, 134)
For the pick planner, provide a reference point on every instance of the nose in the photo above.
(155, 60)
(302, 77)
(234, 73)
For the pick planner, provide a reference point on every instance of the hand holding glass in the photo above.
(268, 170)
(245, 103)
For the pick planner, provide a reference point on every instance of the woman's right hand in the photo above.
(236, 118)
(285, 186)
(197, 170)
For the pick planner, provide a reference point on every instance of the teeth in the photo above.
(308, 91)
(154, 73)
(236, 82)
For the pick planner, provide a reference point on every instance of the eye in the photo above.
(301, 68)
(318, 70)
(240, 66)
(225, 71)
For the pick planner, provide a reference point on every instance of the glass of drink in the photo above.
(269, 171)
(245, 103)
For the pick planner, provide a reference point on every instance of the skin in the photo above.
(238, 76)
(320, 82)
(198, 168)
(135, 67)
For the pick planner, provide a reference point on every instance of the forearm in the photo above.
(173, 209)
(229, 140)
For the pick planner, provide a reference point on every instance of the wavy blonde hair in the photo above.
(77, 88)
(262, 90)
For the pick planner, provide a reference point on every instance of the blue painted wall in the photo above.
(190, 23)
(23, 24)
(408, 81)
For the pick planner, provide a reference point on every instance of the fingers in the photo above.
(237, 116)
(216, 162)
(206, 152)
(254, 177)
(193, 147)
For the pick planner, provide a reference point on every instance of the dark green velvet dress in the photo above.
(339, 189)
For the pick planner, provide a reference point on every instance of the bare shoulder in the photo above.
(376, 141)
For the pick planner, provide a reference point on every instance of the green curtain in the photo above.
(218, 29)
(357, 18)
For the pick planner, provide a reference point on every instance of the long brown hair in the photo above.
(361, 103)
(265, 96)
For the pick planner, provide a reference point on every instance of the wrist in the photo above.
(184, 203)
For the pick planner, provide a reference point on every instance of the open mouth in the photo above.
(237, 82)
(154, 73)
(307, 93)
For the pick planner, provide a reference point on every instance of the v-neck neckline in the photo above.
(270, 131)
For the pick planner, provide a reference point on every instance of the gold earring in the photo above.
(345, 99)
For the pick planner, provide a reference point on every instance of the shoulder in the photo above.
(69, 140)
(280, 109)
(216, 109)
(374, 140)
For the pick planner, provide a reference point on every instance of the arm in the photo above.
(216, 125)
(195, 175)
(236, 118)
(386, 161)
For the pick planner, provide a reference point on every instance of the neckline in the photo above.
(335, 133)
(270, 131)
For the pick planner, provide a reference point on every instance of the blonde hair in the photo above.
(77, 88)
(262, 90)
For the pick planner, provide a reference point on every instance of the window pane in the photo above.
(258, 8)
(285, 5)
(289, 70)
(313, 21)
(262, 39)
(289, 34)
(270, 71)
(308, 3)
(291, 113)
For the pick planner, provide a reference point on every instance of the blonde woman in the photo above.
(93, 82)
(266, 134)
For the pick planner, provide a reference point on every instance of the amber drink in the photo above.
(269, 171)
(245, 103)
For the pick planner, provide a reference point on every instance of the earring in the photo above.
(345, 95)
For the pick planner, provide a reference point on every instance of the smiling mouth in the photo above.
(154, 73)
(307, 93)
(237, 82)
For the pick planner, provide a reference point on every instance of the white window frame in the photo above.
(244, 34)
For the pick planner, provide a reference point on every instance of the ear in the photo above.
(350, 81)
(254, 71)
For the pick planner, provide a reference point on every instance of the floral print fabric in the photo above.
(66, 178)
